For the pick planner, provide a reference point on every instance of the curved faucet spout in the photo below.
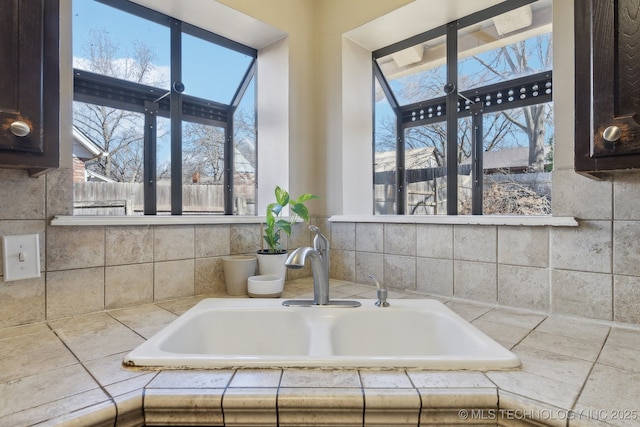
(320, 275)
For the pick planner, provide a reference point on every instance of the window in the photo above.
(164, 115)
(464, 116)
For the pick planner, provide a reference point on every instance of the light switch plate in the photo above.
(21, 256)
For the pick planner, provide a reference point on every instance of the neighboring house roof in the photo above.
(241, 164)
(84, 148)
(415, 158)
(94, 176)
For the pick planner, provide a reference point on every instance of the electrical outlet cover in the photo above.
(21, 256)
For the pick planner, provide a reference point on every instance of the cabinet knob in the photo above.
(19, 128)
(612, 133)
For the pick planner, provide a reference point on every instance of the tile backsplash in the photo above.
(590, 271)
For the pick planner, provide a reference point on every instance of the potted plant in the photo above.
(272, 258)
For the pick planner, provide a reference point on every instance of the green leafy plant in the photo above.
(276, 223)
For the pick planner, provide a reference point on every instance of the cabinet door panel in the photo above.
(29, 87)
(607, 85)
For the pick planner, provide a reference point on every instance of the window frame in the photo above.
(454, 101)
(151, 101)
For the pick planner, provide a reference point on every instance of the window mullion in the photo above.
(150, 157)
(452, 119)
(477, 171)
(176, 117)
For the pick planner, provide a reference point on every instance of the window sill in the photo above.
(533, 221)
(155, 220)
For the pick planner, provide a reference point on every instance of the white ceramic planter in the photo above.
(272, 264)
(237, 269)
(265, 286)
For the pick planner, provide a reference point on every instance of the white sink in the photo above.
(243, 332)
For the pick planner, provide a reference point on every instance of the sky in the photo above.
(209, 71)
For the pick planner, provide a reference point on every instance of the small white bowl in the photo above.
(265, 286)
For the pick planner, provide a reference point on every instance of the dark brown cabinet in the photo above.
(607, 53)
(29, 85)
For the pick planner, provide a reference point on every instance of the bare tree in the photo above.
(500, 130)
(203, 151)
(118, 132)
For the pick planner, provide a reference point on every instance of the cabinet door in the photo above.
(29, 87)
(607, 126)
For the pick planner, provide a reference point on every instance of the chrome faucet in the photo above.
(319, 256)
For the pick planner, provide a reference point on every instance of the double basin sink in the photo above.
(242, 332)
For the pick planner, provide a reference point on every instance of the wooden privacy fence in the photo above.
(123, 198)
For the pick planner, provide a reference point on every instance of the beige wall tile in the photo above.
(369, 263)
(213, 240)
(400, 239)
(174, 242)
(400, 271)
(626, 299)
(580, 293)
(73, 292)
(369, 237)
(343, 236)
(574, 195)
(626, 191)
(173, 279)
(75, 247)
(434, 276)
(475, 243)
(343, 265)
(209, 276)
(128, 245)
(526, 287)
(31, 193)
(59, 192)
(626, 247)
(434, 241)
(22, 302)
(300, 236)
(246, 239)
(127, 285)
(583, 248)
(476, 281)
(527, 246)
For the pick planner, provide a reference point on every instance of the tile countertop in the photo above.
(68, 372)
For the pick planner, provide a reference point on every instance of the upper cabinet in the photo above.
(607, 122)
(29, 87)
